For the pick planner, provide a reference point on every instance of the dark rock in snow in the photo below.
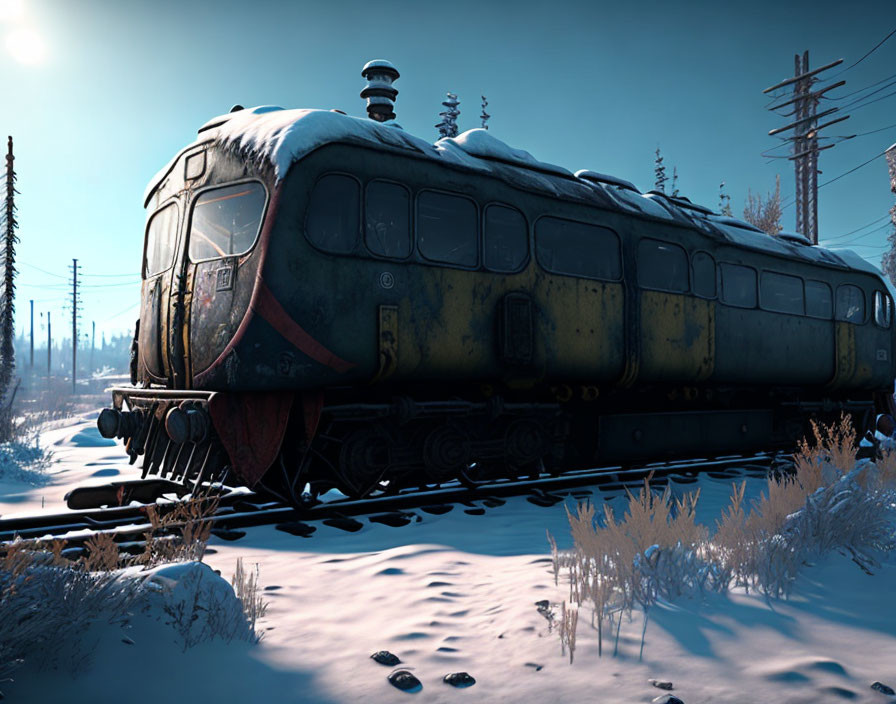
(883, 689)
(459, 679)
(661, 684)
(384, 657)
(405, 681)
(534, 665)
(667, 699)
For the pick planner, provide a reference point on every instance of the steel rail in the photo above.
(240, 509)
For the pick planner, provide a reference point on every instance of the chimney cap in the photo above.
(381, 66)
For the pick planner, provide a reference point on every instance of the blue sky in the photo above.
(101, 94)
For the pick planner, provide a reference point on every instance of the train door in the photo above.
(209, 294)
(161, 246)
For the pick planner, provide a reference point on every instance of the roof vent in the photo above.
(379, 91)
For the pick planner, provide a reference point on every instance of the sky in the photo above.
(99, 95)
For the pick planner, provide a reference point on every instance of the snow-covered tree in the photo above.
(724, 201)
(660, 170)
(765, 214)
(484, 116)
(888, 262)
(675, 182)
(448, 126)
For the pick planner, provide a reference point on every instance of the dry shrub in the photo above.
(658, 551)
(245, 585)
(181, 534)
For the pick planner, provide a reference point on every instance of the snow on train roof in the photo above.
(282, 137)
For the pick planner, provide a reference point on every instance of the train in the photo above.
(331, 302)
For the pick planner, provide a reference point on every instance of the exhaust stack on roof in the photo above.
(379, 91)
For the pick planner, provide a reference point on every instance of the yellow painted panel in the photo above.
(845, 334)
(582, 323)
(677, 337)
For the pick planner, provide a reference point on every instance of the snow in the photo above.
(457, 592)
(594, 176)
(282, 137)
(482, 144)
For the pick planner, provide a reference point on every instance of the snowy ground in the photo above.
(457, 593)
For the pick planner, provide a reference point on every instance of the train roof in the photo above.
(279, 137)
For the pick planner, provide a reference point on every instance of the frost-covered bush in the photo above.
(48, 606)
(24, 461)
(52, 611)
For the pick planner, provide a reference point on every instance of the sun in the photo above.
(26, 46)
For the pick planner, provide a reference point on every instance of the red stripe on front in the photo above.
(269, 308)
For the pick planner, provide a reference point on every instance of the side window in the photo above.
(447, 229)
(334, 214)
(781, 293)
(850, 304)
(738, 285)
(882, 309)
(662, 266)
(704, 275)
(577, 249)
(387, 219)
(819, 301)
(161, 237)
(506, 239)
(225, 221)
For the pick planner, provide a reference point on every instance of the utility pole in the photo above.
(805, 137)
(92, 343)
(74, 324)
(49, 346)
(31, 360)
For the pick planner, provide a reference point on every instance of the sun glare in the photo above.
(11, 10)
(26, 46)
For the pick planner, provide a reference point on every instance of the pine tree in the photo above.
(448, 126)
(888, 262)
(660, 170)
(675, 182)
(484, 116)
(765, 214)
(724, 201)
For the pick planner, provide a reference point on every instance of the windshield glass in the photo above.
(226, 220)
(160, 238)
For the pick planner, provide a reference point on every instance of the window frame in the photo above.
(483, 233)
(217, 186)
(880, 295)
(619, 243)
(412, 200)
(764, 306)
(361, 196)
(715, 275)
(864, 319)
(416, 231)
(687, 269)
(720, 286)
(175, 202)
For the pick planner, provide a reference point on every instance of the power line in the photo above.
(852, 232)
(845, 173)
(838, 98)
(869, 53)
(861, 237)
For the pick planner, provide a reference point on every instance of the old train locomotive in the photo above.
(330, 301)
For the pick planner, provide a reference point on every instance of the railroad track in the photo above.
(240, 508)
